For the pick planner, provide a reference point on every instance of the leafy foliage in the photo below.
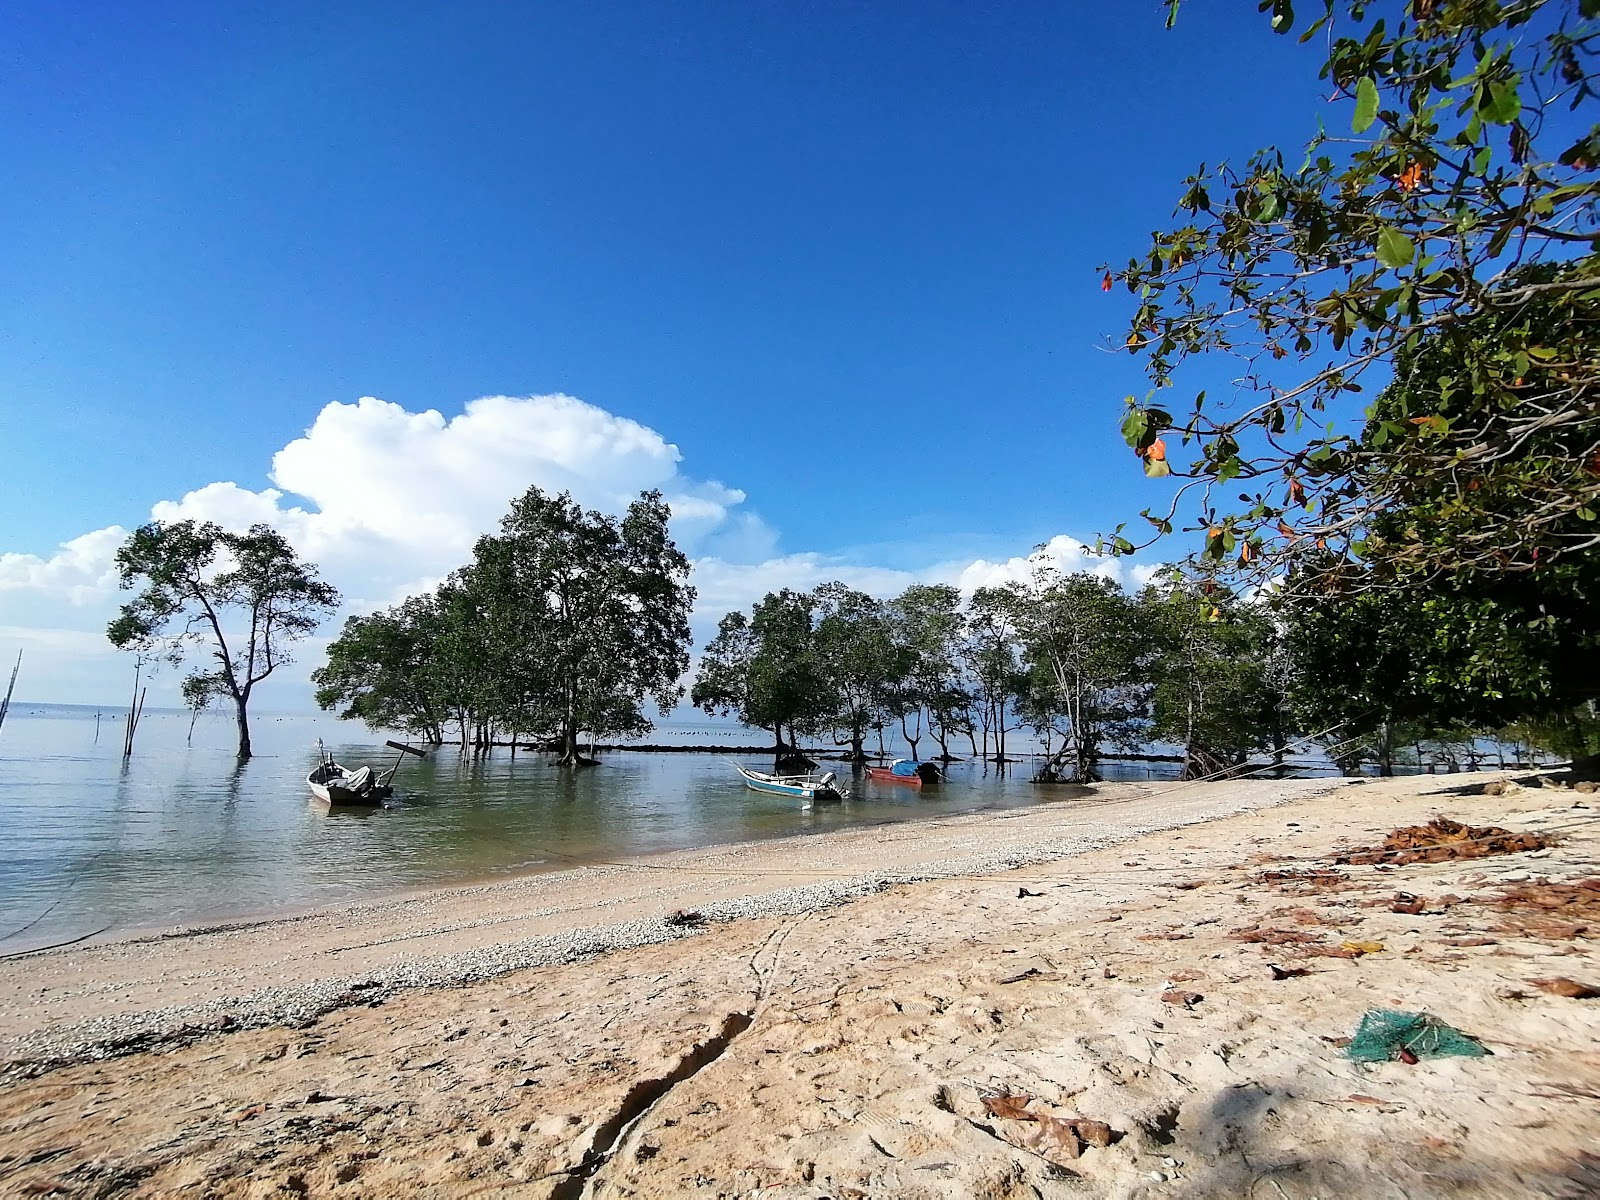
(1214, 689)
(565, 622)
(1469, 158)
(246, 597)
(1084, 642)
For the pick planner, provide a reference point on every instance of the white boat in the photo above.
(813, 789)
(334, 783)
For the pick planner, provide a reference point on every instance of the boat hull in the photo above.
(330, 783)
(339, 797)
(925, 773)
(820, 792)
(885, 775)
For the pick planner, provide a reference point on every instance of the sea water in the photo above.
(180, 832)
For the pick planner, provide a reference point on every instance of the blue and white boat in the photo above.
(810, 789)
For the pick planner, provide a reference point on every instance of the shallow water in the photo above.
(182, 833)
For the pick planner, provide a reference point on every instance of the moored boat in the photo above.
(811, 789)
(905, 771)
(336, 784)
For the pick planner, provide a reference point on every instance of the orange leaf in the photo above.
(1245, 552)
(1010, 1108)
(1215, 531)
(1105, 284)
(1411, 178)
(1157, 450)
(1286, 531)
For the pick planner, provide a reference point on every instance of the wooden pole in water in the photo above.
(5, 705)
(135, 707)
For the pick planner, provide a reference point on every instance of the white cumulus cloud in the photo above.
(388, 501)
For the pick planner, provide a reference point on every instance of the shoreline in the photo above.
(1162, 1015)
(722, 883)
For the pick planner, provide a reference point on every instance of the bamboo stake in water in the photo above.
(5, 705)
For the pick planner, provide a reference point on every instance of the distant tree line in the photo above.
(1090, 669)
(563, 624)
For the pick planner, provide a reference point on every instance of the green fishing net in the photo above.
(1384, 1032)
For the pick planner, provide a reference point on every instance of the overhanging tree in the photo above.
(246, 598)
(1462, 150)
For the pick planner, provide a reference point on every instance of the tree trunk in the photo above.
(1385, 751)
(911, 741)
(243, 703)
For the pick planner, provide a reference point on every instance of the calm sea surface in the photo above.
(180, 833)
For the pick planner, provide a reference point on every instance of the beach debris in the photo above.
(1386, 1033)
(1181, 998)
(1442, 840)
(1550, 910)
(1028, 974)
(1501, 787)
(1570, 988)
(1405, 902)
(1360, 948)
(1024, 894)
(1275, 937)
(1304, 880)
(1287, 972)
(686, 918)
(1066, 1136)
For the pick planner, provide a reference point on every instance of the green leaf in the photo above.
(1395, 249)
(1503, 105)
(1366, 105)
(1156, 468)
(1134, 426)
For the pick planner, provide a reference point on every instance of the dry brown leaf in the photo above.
(1570, 988)
(1061, 1135)
(1095, 1133)
(1009, 1108)
(1180, 997)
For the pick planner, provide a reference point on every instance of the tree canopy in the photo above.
(565, 622)
(1445, 220)
(245, 597)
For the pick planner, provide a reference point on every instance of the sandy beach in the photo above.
(1144, 993)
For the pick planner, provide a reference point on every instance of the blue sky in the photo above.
(841, 255)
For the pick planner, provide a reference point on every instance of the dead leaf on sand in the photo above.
(1287, 972)
(1570, 988)
(1442, 840)
(1275, 937)
(1010, 1108)
(1181, 998)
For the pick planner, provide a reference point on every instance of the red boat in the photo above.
(906, 772)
